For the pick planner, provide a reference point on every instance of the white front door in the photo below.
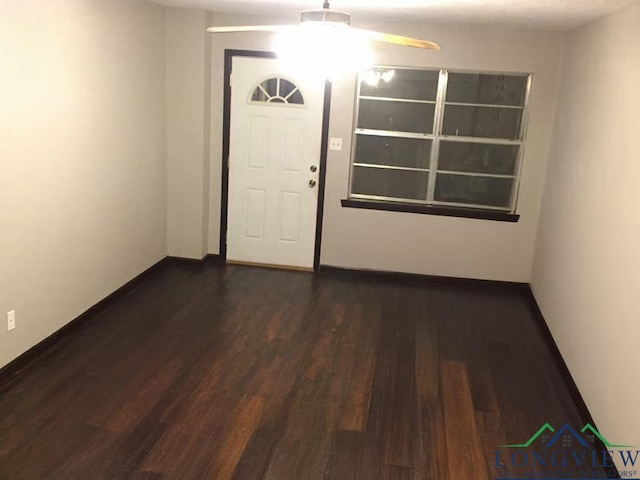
(274, 162)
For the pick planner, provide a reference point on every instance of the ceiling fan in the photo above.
(326, 17)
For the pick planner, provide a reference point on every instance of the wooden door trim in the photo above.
(226, 139)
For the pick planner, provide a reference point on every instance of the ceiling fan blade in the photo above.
(252, 28)
(396, 39)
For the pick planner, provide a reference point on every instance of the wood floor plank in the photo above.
(427, 361)
(396, 472)
(380, 420)
(239, 430)
(257, 454)
(465, 454)
(437, 468)
(400, 448)
(364, 348)
(346, 455)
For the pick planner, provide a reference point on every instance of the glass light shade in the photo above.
(322, 49)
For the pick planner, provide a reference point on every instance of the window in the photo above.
(439, 138)
(277, 90)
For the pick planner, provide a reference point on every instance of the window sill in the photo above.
(496, 216)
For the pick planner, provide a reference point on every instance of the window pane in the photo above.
(390, 183)
(296, 98)
(286, 87)
(259, 96)
(397, 152)
(494, 192)
(411, 84)
(478, 158)
(271, 86)
(396, 116)
(485, 122)
(486, 89)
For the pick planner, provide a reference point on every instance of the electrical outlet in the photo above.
(11, 320)
(335, 144)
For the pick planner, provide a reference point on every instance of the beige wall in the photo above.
(82, 157)
(422, 243)
(188, 124)
(586, 273)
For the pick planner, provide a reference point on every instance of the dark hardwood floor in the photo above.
(214, 372)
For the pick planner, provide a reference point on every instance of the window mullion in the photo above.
(354, 136)
(437, 130)
(515, 189)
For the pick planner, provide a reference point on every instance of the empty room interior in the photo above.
(459, 301)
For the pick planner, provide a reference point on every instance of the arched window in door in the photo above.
(277, 90)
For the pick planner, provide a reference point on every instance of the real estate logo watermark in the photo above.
(566, 454)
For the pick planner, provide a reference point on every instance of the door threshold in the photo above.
(270, 265)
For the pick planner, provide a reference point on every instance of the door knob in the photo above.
(313, 168)
(312, 183)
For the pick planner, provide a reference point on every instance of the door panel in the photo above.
(258, 142)
(255, 209)
(272, 149)
(289, 216)
(293, 146)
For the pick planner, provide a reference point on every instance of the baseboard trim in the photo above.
(9, 372)
(574, 392)
(417, 277)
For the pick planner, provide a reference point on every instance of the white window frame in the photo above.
(436, 137)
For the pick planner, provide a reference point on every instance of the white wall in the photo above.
(82, 157)
(586, 274)
(422, 243)
(188, 124)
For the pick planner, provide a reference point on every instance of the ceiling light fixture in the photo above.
(325, 43)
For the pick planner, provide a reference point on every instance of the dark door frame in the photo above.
(226, 127)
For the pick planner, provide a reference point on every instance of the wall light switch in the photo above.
(335, 144)
(11, 320)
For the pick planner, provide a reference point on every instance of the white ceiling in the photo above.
(539, 14)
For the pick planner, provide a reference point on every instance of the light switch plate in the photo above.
(11, 320)
(335, 144)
